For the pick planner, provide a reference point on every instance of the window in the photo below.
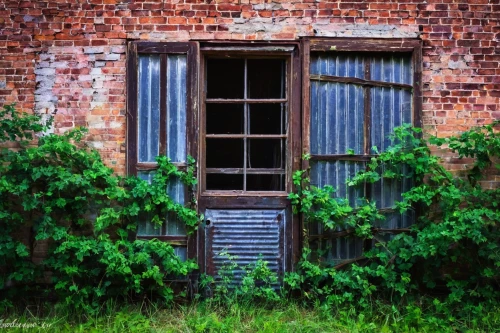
(160, 122)
(356, 99)
(245, 134)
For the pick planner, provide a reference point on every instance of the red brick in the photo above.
(466, 33)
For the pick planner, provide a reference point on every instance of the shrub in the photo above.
(64, 195)
(452, 248)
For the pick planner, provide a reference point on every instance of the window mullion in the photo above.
(367, 244)
(367, 106)
(367, 120)
(245, 128)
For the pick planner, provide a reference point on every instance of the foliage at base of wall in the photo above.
(59, 193)
(63, 195)
(452, 249)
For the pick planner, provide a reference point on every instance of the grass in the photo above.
(247, 317)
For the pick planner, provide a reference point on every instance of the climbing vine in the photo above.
(453, 246)
(56, 192)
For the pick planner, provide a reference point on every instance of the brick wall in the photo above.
(68, 56)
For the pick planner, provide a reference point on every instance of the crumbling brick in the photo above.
(68, 57)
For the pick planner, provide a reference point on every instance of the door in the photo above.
(249, 147)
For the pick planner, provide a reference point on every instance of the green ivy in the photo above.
(453, 247)
(62, 194)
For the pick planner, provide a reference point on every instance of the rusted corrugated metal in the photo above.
(355, 98)
(248, 235)
(390, 107)
(336, 173)
(337, 109)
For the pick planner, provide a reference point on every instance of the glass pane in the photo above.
(267, 119)
(225, 118)
(146, 228)
(148, 107)
(259, 182)
(176, 190)
(266, 153)
(224, 153)
(396, 220)
(224, 182)
(266, 78)
(225, 78)
(386, 192)
(176, 107)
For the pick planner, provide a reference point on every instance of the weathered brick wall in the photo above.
(68, 56)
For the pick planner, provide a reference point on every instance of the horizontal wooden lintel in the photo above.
(173, 240)
(253, 171)
(245, 100)
(248, 136)
(358, 81)
(342, 157)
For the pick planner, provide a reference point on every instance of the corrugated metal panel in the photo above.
(176, 107)
(246, 234)
(337, 124)
(337, 118)
(337, 109)
(390, 107)
(336, 174)
(149, 107)
(174, 226)
(396, 69)
(335, 250)
(337, 64)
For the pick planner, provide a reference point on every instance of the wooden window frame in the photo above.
(162, 49)
(353, 45)
(290, 51)
(133, 166)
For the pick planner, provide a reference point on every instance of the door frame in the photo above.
(257, 200)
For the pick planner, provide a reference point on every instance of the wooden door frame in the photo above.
(258, 200)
